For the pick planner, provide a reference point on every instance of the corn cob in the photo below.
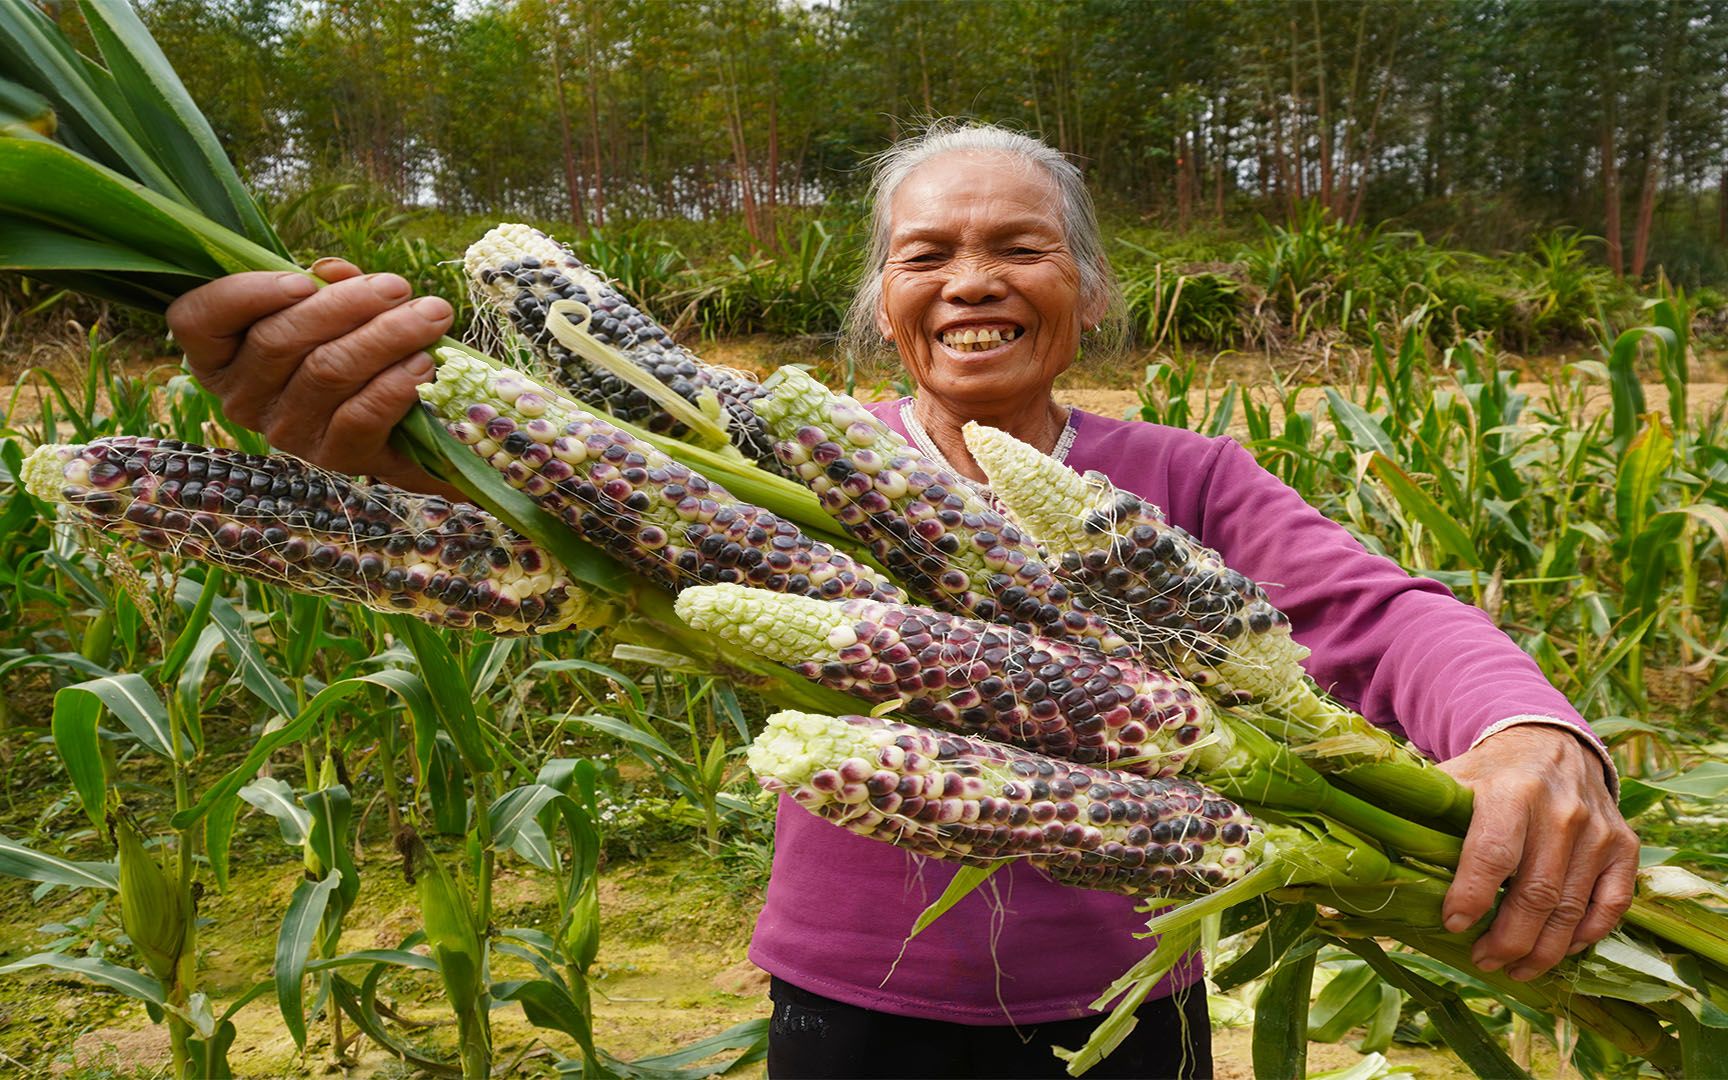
(979, 802)
(456, 944)
(623, 495)
(152, 908)
(1185, 609)
(1174, 597)
(520, 272)
(930, 527)
(963, 675)
(278, 519)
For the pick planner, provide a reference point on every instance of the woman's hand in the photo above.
(323, 373)
(1545, 819)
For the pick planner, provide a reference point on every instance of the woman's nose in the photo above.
(973, 280)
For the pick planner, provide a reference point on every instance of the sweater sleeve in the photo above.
(1401, 650)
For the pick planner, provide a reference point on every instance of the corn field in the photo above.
(228, 675)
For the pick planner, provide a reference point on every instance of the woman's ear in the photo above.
(1093, 308)
(883, 326)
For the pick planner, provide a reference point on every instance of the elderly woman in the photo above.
(985, 273)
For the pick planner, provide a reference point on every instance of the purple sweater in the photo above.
(1026, 951)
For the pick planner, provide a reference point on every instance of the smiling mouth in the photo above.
(974, 339)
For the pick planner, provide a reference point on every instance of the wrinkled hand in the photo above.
(1545, 819)
(323, 373)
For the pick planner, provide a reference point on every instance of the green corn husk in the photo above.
(1182, 607)
(448, 919)
(152, 906)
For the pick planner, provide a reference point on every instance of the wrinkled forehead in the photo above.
(985, 190)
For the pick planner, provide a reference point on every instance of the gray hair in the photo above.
(1079, 225)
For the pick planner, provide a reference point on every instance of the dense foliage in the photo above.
(1485, 117)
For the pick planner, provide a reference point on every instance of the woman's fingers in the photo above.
(1493, 851)
(327, 381)
(211, 321)
(251, 386)
(1613, 892)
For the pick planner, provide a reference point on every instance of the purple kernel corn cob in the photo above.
(930, 527)
(623, 495)
(973, 801)
(1054, 697)
(280, 520)
(1172, 596)
(520, 272)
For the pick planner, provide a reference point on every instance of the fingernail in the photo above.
(432, 308)
(1457, 924)
(298, 286)
(1520, 974)
(389, 286)
(419, 365)
(1486, 963)
(1577, 947)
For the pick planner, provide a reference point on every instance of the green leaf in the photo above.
(80, 748)
(447, 679)
(209, 1057)
(293, 942)
(179, 136)
(1642, 470)
(134, 984)
(30, 245)
(331, 840)
(1452, 537)
(446, 786)
(622, 729)
(255, 674)
(1358, 427)
(1350, 999)
(360, 1005)
(548, 1005)
(1461, 1028)
(219, 805)
(1377, 1039)
(515, 824)
(18, 861)
(276, 798)
(88, 106)
(132, 701)
(966, 879)
(1284, 930)
(1281, 1021)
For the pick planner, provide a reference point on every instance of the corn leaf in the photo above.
(1451, 536)
(89, 108)
(30, 245)
(1358, 426)
(331, 840)
(209, 1057)
(1284, 931)
(446, 786)
(294, 941)
(1460, 1026)
(130, 698)
(180, 138)
(1281, 1020)
(1351, 998)
(18, 861)
(966, 880)
(446, 676)
(134, 984)
(360, 1003)
(274, 797)
(255, 674)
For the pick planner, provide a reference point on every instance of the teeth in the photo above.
(978, 340)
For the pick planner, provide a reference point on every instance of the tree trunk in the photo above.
(598, 172)
(1722, 208)
(572, 178)
(1653, 156)
(1323, 115)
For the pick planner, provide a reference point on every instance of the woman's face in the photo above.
(980, 293)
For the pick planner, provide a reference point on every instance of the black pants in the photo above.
(814, 1037)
